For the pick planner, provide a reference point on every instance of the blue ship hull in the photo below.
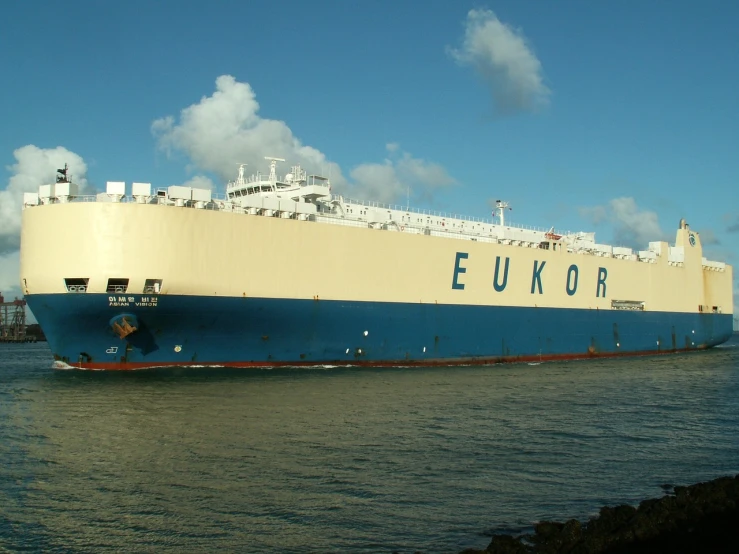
(243, 332)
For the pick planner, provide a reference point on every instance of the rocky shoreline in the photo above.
(699, 518)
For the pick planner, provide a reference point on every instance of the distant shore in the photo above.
(698, 518)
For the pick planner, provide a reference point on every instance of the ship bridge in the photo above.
(297, 185)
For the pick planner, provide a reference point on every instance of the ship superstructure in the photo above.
(281, 271)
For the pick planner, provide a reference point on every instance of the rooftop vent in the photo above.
(115, 190)
(141, 192)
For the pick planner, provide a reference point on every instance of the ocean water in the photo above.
(347, 459)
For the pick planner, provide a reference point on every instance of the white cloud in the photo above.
(502, 56)
(34, 167)
(224, 129)
(632, 226)
(378, 181)
(200, 182)
(594, 214)
(397, 177)
(429, 175)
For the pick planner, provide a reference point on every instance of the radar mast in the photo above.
(500, 207)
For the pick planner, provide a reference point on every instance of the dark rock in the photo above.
(571, 535)
(506, 544)
(699, 518)
(547, 529)
(552, 536)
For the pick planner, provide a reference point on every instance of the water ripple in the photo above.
(347, 460)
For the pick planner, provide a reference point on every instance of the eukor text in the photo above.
(128, 301)
(538, 273)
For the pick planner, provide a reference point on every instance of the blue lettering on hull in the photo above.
(458, 269)
(601, 288)
(571, 287)
(536, 277)
(537, 287)
(500, 287)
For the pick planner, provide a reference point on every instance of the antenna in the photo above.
(500, 207)
(240, 180)
(64, 176)
(272, 166)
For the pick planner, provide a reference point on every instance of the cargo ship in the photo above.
(280, 271)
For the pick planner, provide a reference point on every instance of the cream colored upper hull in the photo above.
(212, 253)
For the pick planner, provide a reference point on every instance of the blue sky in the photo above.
(618, 116)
